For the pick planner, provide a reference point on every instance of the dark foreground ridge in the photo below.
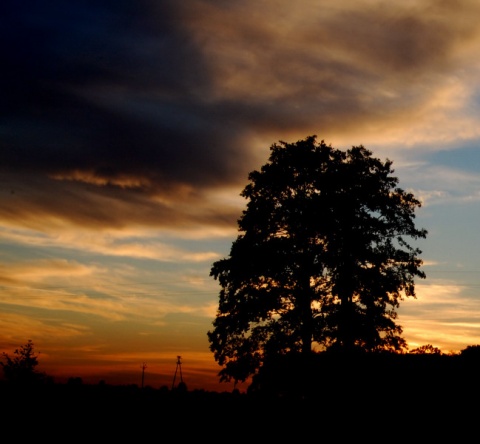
(422, 397)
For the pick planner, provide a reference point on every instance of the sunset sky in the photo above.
(127, 133)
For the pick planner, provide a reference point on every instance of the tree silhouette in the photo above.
(471, 353)
(427, 349)
(322, 259)
(22, 367)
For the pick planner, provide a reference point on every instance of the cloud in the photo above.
(444, 308)
(14, 326)
(140, 108)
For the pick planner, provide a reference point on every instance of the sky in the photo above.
(127, 133)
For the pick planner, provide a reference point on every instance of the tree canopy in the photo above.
(321, 261)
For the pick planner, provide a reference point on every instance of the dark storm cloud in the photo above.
(135, 100)
(96, 89)
(99, 89)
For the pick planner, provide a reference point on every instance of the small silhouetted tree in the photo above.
(21, 368)
(322, 258)
(427, 349)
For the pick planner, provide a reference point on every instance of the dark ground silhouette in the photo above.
(422, 397)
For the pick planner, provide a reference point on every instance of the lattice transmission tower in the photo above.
(178, 369)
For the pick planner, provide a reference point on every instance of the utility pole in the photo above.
(178, 368)
(143, 367)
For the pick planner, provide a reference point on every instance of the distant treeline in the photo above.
(366, 395)
(297, 376)
(327, 374)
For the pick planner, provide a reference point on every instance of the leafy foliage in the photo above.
(322, 258)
